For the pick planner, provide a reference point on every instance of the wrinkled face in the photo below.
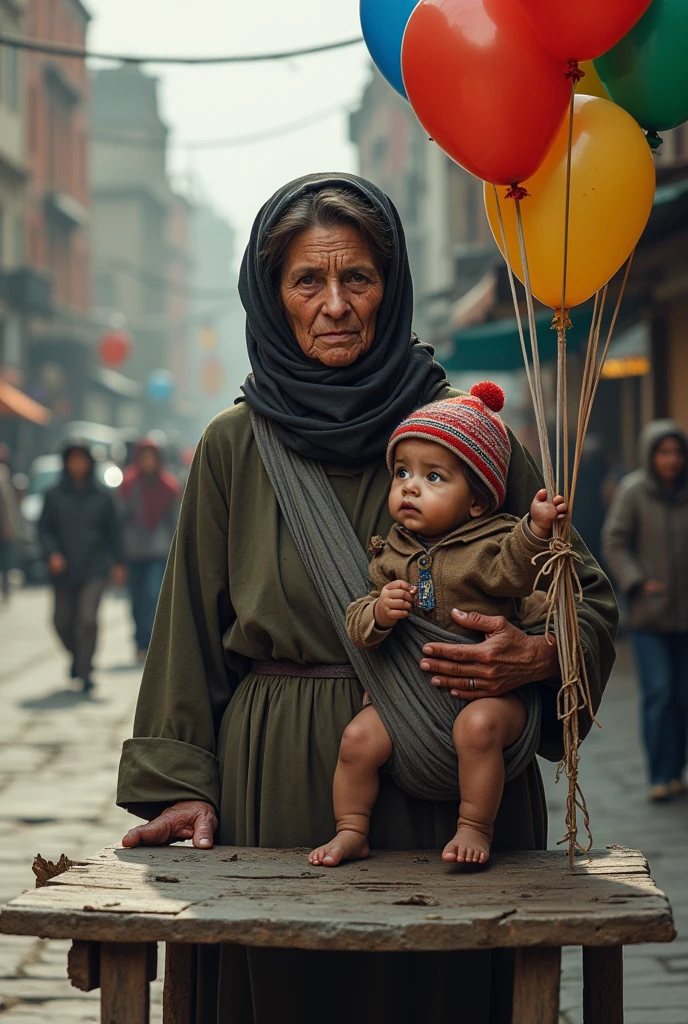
(669, 460)
(147, 460)
(330, 291)
(430, 494)
(78, 466)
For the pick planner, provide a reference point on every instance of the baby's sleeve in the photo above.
(360, 615)
(360, 622)
(512, 568)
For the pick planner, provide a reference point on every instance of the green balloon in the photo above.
(646, 73)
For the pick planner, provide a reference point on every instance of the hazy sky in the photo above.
(217, 102)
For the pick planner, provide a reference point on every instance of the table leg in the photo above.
(179, 992)
(124, 991)
(536, 985)
(83, 965)
(603, 984)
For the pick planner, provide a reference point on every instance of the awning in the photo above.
(14, 402)
(496, 345)
(117, 383)
(629, 353)
(473, 307)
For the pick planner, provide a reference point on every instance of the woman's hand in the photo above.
(503, 661)
(187, 819)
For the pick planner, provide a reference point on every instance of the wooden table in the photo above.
(118, 905)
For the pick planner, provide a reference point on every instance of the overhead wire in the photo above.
(81, 53)
(247, 139)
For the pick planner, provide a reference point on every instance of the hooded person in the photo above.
(646, 548)
(81, 539)
(149, 502)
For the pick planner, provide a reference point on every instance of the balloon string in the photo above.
(592, 373)
(538, 395)
(574, 694)
(514, 296)
(562, 321)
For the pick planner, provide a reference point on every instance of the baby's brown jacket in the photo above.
(483, 566)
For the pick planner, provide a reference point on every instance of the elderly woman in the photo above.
(247, 688)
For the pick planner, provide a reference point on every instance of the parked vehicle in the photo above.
(43, 473)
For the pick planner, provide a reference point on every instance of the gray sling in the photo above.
(418, 716)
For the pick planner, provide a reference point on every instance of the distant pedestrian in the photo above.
(150, 499)
(646, 548)
(10, 524)
(81, 538)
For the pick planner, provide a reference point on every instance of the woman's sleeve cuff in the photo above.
(155, 772)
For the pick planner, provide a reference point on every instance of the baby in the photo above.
(449, 548)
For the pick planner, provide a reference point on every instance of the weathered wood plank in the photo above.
(391, 901)
(124, 989)
(536, 986)
(83, 965)
(603, 985)
(180, 984)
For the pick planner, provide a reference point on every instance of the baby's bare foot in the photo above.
(346, 845)
(469, 846)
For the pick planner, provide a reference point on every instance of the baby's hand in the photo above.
(543, 513)
(394, 603)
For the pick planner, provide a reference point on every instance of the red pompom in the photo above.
(489, 393)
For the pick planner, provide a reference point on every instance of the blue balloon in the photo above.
(383, 23)
(160, 385)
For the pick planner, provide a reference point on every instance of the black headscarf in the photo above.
(345, 414)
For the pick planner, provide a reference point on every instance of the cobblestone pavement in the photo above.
(58, 764)
(58, 759)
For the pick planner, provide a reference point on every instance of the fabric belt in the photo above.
(292, 668)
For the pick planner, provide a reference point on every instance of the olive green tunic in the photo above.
(262, 749)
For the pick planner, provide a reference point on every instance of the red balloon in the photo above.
(483, 86)
(582, 29)
(114, 348)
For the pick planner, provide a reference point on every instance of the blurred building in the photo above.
(54, 289)
(140, 237)
(218, 362)
(449, 242)
(12, 227)
(646, 373)
(459, 279)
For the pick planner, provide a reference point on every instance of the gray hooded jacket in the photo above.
(645, 537)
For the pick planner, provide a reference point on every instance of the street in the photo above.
(58, 765)
(58, 759)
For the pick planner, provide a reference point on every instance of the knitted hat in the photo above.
(468, 426)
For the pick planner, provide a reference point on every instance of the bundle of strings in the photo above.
(564, 591)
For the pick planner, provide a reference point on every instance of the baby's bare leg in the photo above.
(365, 747)
(481, 732)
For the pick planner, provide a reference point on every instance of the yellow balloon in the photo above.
(612, 189)
(591, 84)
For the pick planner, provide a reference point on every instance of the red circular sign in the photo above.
(115, 348)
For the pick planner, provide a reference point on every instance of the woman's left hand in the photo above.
(506, 659)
